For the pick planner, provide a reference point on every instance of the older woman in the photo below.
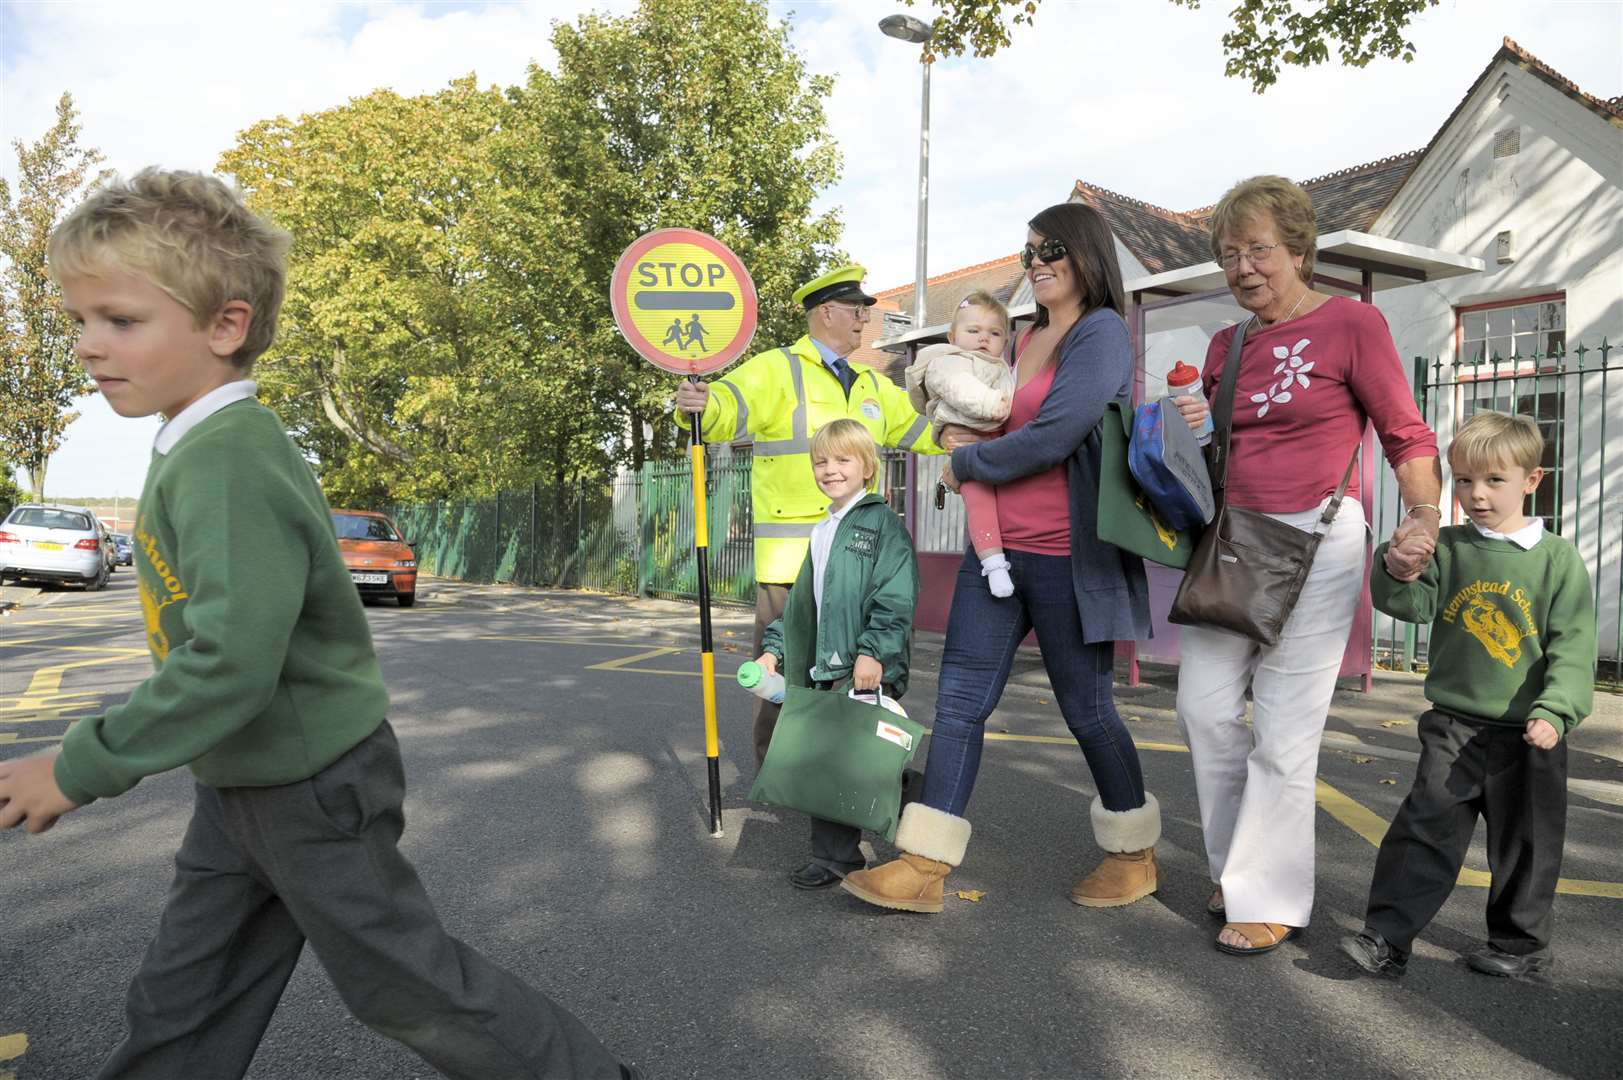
(1313, 369)
(1078, 593)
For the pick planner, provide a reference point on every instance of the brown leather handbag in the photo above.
(1247, 571)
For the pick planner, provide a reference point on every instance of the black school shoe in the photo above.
(1491, 960)
(815, 876)
(1377, 956)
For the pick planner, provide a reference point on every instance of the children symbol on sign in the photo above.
(682, 337)
(696, 333)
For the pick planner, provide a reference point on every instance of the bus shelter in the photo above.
(1173, 316)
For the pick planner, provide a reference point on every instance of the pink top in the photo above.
(1034, 512)
(1306, 389)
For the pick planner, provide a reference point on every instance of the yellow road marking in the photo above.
(623, 663)
(1372, 827)
(13, 1046)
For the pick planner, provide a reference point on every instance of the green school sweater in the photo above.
(1512, 629)
(265, 672)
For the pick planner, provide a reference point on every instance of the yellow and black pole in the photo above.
(707, 655)
(665, 277)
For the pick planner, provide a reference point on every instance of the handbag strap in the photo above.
(1223, 427)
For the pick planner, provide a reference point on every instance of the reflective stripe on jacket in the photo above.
(780, 398)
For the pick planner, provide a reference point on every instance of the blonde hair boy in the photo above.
(850, 438)
(191, 236)
(1491, 440)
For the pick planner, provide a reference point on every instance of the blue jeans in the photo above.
(983, 633)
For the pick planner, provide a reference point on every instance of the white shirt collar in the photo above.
(1526, 537)
(200, 410)
(835, 515)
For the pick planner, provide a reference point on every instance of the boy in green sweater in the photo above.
(849, 615)
(1512, 660)
(265, 684)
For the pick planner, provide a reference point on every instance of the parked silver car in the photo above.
(53, 543)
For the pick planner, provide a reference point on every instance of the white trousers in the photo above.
(1257, 784)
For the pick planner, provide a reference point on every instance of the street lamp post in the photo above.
(917, 32)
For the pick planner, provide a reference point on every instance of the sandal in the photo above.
(1214, 906)
(1264, 937)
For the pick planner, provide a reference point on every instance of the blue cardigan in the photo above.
(1095, 368)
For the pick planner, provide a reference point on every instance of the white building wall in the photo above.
(1561, 199)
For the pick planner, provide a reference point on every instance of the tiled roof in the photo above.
(1160, 239)
(1164, 239)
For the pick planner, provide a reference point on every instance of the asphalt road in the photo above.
(557, 813)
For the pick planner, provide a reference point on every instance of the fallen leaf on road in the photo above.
(972, 895)
(1360, 759)
(1042, 701)
(728, 633)
(1393, 723)
(1388, 781)
(730, 648)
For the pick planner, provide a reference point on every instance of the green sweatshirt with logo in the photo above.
(265, 672)
(1512, 629)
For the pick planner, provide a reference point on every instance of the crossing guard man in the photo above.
(781, 397)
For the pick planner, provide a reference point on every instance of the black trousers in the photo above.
(263, 870)
(1467, 769)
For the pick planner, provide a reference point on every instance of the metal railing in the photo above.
(1576, 396)
(631, 535)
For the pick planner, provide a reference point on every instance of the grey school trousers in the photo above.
(262, 870)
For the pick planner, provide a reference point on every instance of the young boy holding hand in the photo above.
(850, 612)
(266, 684)
(1512, 673)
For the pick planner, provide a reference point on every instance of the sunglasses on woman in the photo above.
(1049, 251)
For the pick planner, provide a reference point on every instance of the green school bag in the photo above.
(1126, 516)
(838, 758)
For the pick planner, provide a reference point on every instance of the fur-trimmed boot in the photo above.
(1128, 872)
(932, 843)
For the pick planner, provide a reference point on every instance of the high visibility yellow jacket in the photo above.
(781, 397)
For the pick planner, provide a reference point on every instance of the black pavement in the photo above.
(557, 812)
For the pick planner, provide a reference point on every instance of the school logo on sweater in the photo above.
(152, 601)
(863, 541)
(1490, 611)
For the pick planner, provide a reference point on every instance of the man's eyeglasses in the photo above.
(1049, 251)
(859, 312)
(1257, 253)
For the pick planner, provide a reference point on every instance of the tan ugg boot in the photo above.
(1129, 871)
(908, 883)
(932, 843)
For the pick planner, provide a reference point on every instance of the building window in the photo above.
(1521, 328)
(1510, 362)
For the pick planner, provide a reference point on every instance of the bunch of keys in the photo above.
(940, 495)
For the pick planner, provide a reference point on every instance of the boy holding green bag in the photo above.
(850, 613)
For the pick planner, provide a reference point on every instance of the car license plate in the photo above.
(369, 579)
(46, 545)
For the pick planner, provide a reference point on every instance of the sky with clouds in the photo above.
(1126, 94)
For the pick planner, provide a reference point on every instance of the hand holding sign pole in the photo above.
(661, 278)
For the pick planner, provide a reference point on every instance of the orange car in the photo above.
(380, 560)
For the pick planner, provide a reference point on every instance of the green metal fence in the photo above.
(1576, 396)
(631, 535)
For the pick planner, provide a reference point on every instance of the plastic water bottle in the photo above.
(1184, 381)
(760, 682)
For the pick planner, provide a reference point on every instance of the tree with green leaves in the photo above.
(687, 113)
(447, 326)
(40, 377)
(1266, 34)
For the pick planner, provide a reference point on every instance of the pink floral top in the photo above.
(1307, 387)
